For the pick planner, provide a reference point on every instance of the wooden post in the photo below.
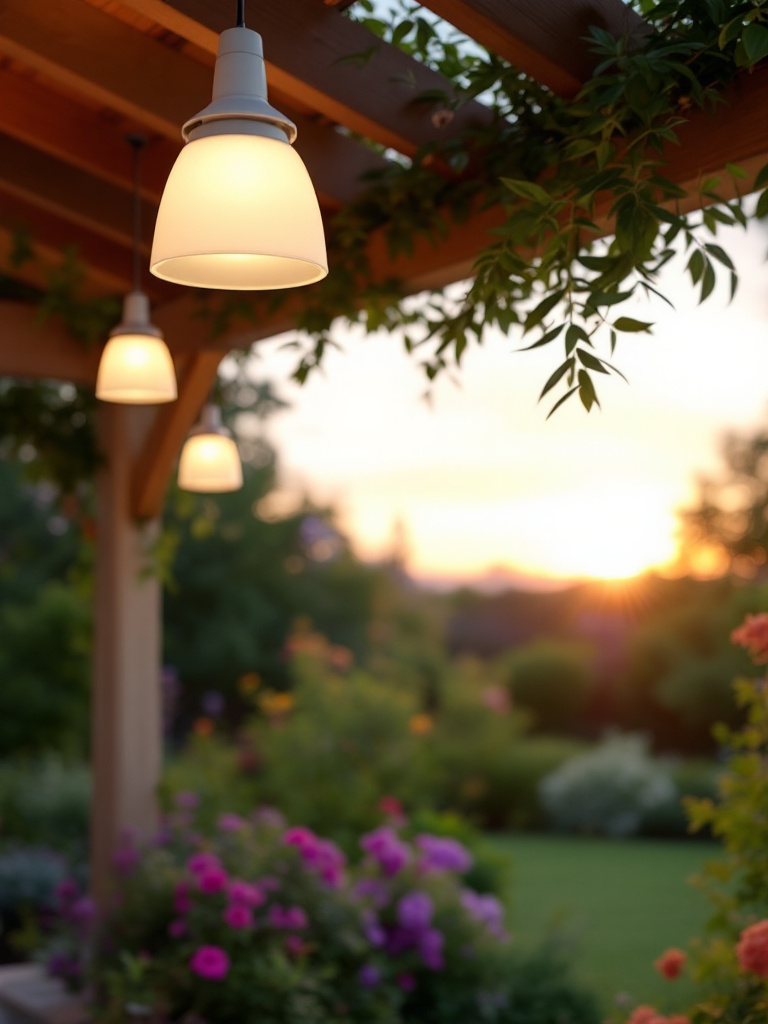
(126, 718)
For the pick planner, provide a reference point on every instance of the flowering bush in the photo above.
(609, 790)
(268, 923)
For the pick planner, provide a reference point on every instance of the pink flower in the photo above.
(177, 928)
(753, 634)
(247, 894)
(210, 962)
(212, 881)
(752, 949)
(238, 916)
(671, 963)
(231, 823)
(645, 1015)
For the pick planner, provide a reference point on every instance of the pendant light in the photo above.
(136, 367)
(210, 462)
(239, 210)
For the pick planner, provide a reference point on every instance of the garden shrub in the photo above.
(609, 790)
(29, 876)
(552, 679)
(46, 802)
(256, 922)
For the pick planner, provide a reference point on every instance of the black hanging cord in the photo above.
(137, 143)
(241, 13)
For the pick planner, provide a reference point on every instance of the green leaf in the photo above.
(762, 178)
(762, 205)
(573, 336)
(591, 362)
(560, 401)
(401, 32)
(707, 282)
(558, 375)
(696, 265)
(755, 42)
(545, 306)
(545, 339)
(736, 172)
(527, 190)
(628, 325)
(720, 255)
(587, 392)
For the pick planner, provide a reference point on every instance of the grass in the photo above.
(619, 904)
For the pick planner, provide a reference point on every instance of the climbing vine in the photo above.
(587, 215)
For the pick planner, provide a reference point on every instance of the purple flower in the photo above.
(177, 928)
(238, 916)
(373, 930)
(414, 911)
(212, 881)
(65, 892)
(319, 855)
(63, 965)
(231, 823)
(369, 976)
(212, 703)
(443, 854)
(373, 889)
(210, 962)
(247, 894)
(82, 911)
(487, 910)
(387, 849)
(407, 982)
(431, 944)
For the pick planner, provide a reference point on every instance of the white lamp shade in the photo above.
(136, 369)
(210, 464)
(239, 212)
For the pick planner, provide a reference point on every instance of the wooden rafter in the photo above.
(545, 40)
(28, 346)
(89, 52)
(374, 96)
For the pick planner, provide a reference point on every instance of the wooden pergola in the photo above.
(76, 77)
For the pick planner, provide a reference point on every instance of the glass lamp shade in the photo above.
(239, 212)
(210, 464)
(136, 367)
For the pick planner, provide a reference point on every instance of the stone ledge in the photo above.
(29, 996)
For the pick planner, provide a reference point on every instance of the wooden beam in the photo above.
(308, 47)
(545, 40)
(196, 373)
(35, 349)
(90, 140)
(72, 194)
(107, 266)
(112, 63)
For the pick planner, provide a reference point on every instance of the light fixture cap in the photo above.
(240, 104)
(136, 317)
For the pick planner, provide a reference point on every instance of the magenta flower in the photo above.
(387, 849)
(292, 918)
(177, 928)
(210, 962)
(247, 894)
(443, 854)
(369, 976)
(238, 916)
(212, 881)
(181, 901)
(198, 863)
(414, 911)
(295, 945)
(431, 944)
(319, 855)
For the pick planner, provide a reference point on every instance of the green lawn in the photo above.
(619, 904)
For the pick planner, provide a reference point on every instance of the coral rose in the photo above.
(752, 949)
(671, 963)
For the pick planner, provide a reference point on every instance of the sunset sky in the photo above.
(484, 484)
